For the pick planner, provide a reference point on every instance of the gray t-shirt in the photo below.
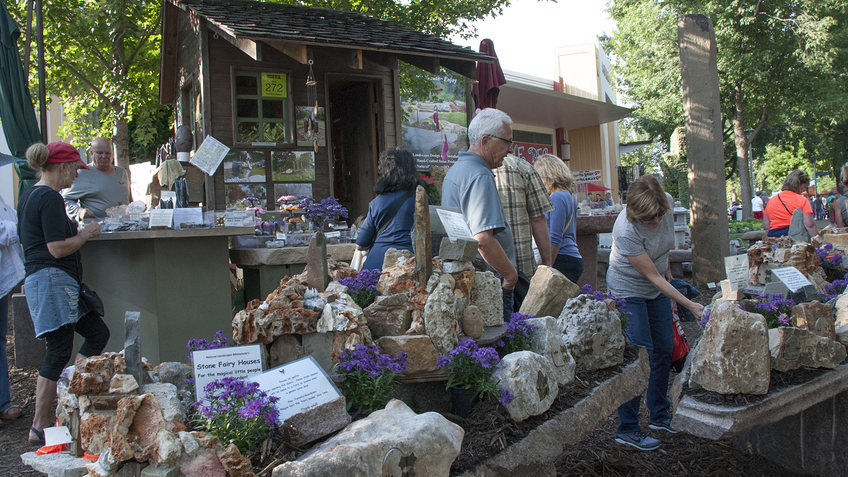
(469, 187)
(97, 191)
(630, 240)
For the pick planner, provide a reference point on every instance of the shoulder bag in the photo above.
(89, 301)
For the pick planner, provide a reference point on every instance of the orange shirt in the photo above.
(780, 216)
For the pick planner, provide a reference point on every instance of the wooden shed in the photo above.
(306, 98)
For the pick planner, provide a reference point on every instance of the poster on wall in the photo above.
(530, 151)
(292, 190)
(434, 122)
(292, 166)
(244, 166)
(239, 195)
(311, 126)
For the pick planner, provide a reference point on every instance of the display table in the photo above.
(264, 267)
(588, 228)
(178, 279)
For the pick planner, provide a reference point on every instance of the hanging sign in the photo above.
(209, 155)
(583, 177)
(530, 151)
(274, 85)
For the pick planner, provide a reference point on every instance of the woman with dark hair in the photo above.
(392, 213)
(51, 246)
(638, 272)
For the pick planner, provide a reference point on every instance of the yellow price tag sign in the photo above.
(274, 85)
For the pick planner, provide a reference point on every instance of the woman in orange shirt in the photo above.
(778, 213)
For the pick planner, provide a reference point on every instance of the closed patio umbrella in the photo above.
(16, 111)
(490, 78)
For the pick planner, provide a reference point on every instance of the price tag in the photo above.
(274, 85)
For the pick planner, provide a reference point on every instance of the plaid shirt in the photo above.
(523, 196)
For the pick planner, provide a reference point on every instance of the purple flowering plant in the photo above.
(827, 256)
(517, 337)
(471, 366)
(319, 213)
(620, 303)
(833, 290)
(363, 287)
(775, 309)
(237, 412)
(369, 376)
(194, 344)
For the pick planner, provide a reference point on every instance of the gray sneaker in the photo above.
(637, 439)
(663, 426)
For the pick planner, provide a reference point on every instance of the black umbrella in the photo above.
(16, 111)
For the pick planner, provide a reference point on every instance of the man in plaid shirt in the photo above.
(525, 202)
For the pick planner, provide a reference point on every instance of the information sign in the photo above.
(161, 218)
(209, 155)
(584, 177)
(274, 85)
(298, 385)
(791, 277)
(455, 225)
(736, 267)
(237, 362)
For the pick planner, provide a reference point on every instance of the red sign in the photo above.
(530, 151)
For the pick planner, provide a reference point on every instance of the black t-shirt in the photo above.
(42, 219)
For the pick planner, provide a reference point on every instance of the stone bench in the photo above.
(754, 236)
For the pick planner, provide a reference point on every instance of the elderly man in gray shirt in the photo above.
(469, 187)
(103, 186)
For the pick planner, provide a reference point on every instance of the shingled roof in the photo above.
(318, 26)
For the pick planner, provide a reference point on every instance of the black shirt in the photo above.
(42, 219)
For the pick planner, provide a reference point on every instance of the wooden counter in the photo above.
(178, 279)
(588, 228)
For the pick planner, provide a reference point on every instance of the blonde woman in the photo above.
(562, 221)
(638, 272)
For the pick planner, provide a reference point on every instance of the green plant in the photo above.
(517, 337)
(237, 412)
(775, 309)
(369, 376)
(471, 367)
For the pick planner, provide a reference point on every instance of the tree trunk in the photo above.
(742, 142)
(121, 142)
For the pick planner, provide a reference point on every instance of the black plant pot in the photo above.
(463, 401)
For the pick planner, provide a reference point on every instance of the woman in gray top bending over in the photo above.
(638, 272)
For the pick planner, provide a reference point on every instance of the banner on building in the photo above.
(586, 176)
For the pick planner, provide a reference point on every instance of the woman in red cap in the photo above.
(51, 246)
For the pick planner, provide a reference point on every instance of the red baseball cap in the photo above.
(63, 152)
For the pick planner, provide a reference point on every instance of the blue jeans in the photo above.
(649, 325)
(571, 267)
(5, 396)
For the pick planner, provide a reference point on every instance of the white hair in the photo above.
(487, 121)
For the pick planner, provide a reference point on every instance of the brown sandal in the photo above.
(12, 412)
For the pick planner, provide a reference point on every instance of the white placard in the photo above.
(586, 176)
(209, 155)
(455, 225)
(238, 218)
(333, 234)
(54, 436)
(299, 385)
(161, 218)
(736, 267)
(791, 277)
(186, 215)
(237, 362)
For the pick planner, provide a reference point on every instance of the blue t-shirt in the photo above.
(398, 232)
(469, 187)
(564, 213)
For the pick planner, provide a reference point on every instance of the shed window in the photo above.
(262, 108)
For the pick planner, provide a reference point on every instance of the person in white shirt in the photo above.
(757, 206)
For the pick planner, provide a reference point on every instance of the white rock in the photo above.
(168, 398)
(547, 340)
(439, 320)
(122, 384)
(592, 333)
(487, 295)
(428, 444)
(340, 316)
(526, 375)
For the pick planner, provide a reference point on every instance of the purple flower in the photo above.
(705, 318)
(443, 361)
(620, 303)
(506, 396)
(319, 213)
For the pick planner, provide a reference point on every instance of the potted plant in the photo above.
(470, 369)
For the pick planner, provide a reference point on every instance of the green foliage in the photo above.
(746, 225)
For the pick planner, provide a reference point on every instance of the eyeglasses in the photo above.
(508, 141)
(658, 215)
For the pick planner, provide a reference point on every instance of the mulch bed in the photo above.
(489, 429)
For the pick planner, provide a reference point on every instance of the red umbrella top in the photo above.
(489, 78)
(596, 188)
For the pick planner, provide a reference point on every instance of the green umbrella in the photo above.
(16, 110)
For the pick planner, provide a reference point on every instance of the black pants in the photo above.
(60, 344)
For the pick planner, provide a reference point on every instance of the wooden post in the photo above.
(705, 152)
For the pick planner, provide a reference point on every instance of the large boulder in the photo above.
(733, 354)
(793, 348)
(439, 320)
(419, 349)
(549, 290)
(530, 378)
(389, 315)
(546, 339)
(487, 295)
(816, 317)
(391, 441)
(592, 333)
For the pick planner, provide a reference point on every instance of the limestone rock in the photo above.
(591, 332)
(398, 265)
(456, 266)
(169, 401)
(816, 317)
(793, 348)
(418, 444)
(206, 440)
(204, 464)
(421, 354)
(173, 372)
(842, 334)
(389, 315)
(529, 376)
(168, 447)
(487, 295)
(841, 310)
(234, 463)
(316, 422)
(340, 316)
(284, 349)
(95, 431)
(460, 249)
(135, 435)
(472, 322)
(189, 442)
(439, 320)
(732, 356)
(464, 282)
(88, 383)
(256, 325)
(546, 339)
(122, 384)
(549, 290)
